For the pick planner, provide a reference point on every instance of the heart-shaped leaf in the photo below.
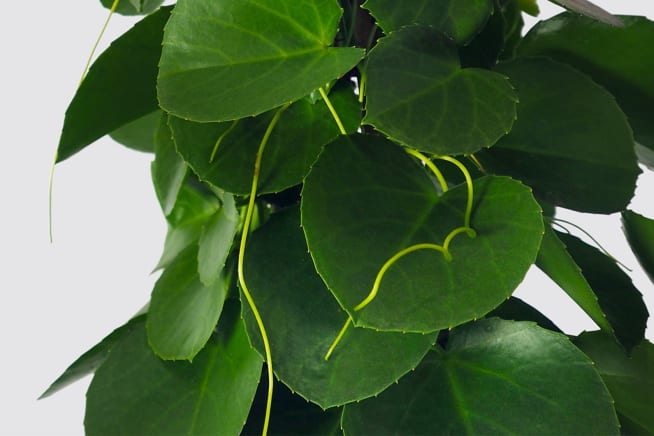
(183, 311)
(365, 200)
(458, 19)
(119, 87)
(571, 142)
(302, 319)
(418, 94)
(282, 47)
(223, 154)
(495, 377)
(135, 392)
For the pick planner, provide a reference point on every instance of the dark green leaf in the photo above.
(640, 234)
(303, 129)
(459, 19)
(119, 88)
(556, 262)
(90, 361)
(134, 392)
(629, 379)
(571, 142)
(496, 377)
(365, 200)
(517, 310)
(216, 240)
(511, 11)
(619, 299)
(484, 50)
(303, 318)
(291, 415)
(139, 134)
(418, 95)
(645, 156)
(584, 7)
(168, 169)
(183, 312)
(619, 59)
(244, 58)
(133, 7)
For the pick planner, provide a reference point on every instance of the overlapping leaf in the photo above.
(589, 9)
(303, 318)
(621, 302)
(244, 58)
(514, 309)
(135, 392)
(168, 169)
(133, 7)
(495, 377)
(458, 19)
(119, 88)
(630, 379)
(365, 200)
(216, 240)
(223, 154)
(619, 59)
(640, 234)
(556, 262)
(183, 311)
(139, 134)
(571, 142)
(418, 94)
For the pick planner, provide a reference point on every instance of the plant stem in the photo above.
(324, 96)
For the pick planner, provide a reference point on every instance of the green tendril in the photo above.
(424, 159)
(241, 257)
(338, 338)
(332, 110)
(466, 174)
(362, 85)
(220, 140)
(97, 41)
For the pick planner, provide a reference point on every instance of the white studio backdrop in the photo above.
(60, 299)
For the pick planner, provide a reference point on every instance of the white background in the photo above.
(60, 299)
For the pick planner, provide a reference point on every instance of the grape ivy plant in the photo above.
(353, 192)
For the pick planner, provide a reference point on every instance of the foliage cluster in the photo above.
(353, 193)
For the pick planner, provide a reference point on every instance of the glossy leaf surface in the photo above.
(139, 134)
(183, 311)
(496, 377)
(119, 88)
(282, 47)
(133, 7)
(514, 309)
(168, 169)
(90, 361)
(366, 199)
(458, 19)
(216, 240)
(619, 59)
(571, 142)
(555, 261)
(418, 95)
(135, 392)
(303, 129)
(303, 318)
(621, 302)
(640, 234)
(630, 379)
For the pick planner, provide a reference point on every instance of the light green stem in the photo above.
(324, 96)
(431, 166)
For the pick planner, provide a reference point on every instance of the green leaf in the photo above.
(216, 240)
(302, 319)
(418, 95)
(584, 7)
(571, 142)
(645, 156)
(183, 311)
(90, 361)
(629, 379)
(291, 415)
(621, 302)
(366, 199)
(119, 87)
(484, 50)
(135, 392)
(496, 377)
(514, 309)
(139, 134)
(555, 261)
(461, 20)
(168, 169)
(282, 47)
(619, 59)
(640, 234)
(133, 7)
(303, 129)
